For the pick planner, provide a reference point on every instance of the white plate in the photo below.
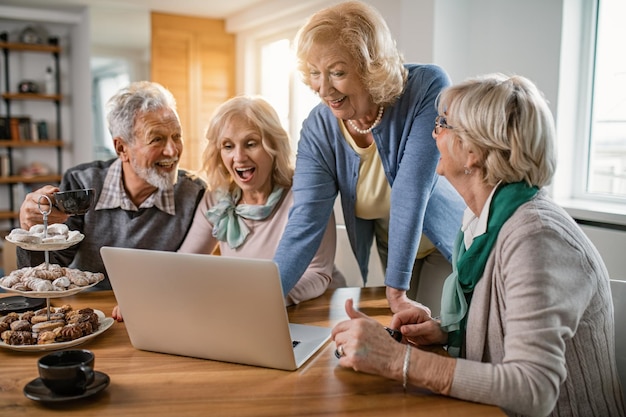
(48, 246)
(105, 323)
(50, 294)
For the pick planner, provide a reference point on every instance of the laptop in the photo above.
(210, 307)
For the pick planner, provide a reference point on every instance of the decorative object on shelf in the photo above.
(34, 169)
(34, 34)
(50, 83)
(42, 130)
(30, 35)
(27, 86)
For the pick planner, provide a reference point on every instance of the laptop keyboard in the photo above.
(295, 343)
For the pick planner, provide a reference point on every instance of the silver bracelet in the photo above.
(405, 367)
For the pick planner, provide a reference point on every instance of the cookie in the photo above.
(47, 326)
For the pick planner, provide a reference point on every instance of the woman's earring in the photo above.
(467, 171)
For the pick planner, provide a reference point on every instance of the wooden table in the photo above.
(146, 383)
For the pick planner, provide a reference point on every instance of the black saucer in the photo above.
(37, 391)
(19, 304)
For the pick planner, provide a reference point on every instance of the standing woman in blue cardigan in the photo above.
(369, 140)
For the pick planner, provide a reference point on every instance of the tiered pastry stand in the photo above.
(46, 248)
(104, 322)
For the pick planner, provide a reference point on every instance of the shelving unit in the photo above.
(12, 143)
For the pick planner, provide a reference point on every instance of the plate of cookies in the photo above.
(49, 282)
(39, 238)
(35, 331)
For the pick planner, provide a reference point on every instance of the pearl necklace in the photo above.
(368, 130)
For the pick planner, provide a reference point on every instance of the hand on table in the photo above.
(365, 345)
(399, 301)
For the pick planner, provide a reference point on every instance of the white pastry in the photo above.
(58, 229)
(36, 229)
(63, 282)
(27, 239)
(54, 239)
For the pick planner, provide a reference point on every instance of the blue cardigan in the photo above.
(421, 201)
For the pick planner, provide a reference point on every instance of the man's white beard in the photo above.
(152, 176)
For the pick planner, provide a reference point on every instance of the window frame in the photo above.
(577, 62)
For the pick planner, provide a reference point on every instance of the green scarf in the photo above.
(226, 216)
(468, 266)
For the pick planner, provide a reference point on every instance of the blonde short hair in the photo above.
(361, 30)
(507, 122)
(275, 140)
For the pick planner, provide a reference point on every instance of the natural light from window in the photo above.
(607, 157)
(282, 87)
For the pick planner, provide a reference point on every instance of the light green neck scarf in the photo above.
(468, 266)
(227, 217)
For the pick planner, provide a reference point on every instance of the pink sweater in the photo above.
(262, 243)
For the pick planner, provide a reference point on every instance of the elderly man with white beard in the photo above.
(142, 199)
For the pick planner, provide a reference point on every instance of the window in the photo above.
(280, 84)
(108, 76)
(606, 172)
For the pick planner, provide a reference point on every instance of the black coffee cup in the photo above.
(74, 202)
(67, 372)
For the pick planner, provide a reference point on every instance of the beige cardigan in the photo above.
(540, 332)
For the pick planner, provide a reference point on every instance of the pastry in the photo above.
(62, 282)
(17, 231)
(44, 317)
(53, 239)
(33, 239)
(36, 327)
(47, 326)
(64, 309)
(45, 310)
(10, 318)
(69, 332)
(12, 337)
(45, 338)
(38, 284)
(58, 229)
(36, 229)
(28, 315)
(21, 325)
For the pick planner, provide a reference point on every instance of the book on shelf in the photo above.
(16, 128)
(5, 168)
(42, 130)
(38, 130)
(23, 128)
(5, 129)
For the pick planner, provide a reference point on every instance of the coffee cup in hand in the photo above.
(74, 202)
(67, 372)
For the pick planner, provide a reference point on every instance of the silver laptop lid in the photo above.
(204, 306)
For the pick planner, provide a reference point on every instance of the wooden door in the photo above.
(195, 59)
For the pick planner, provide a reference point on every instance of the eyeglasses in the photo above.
(441, 122)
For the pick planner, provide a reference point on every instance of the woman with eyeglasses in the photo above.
(527, 314)
(369, 140)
